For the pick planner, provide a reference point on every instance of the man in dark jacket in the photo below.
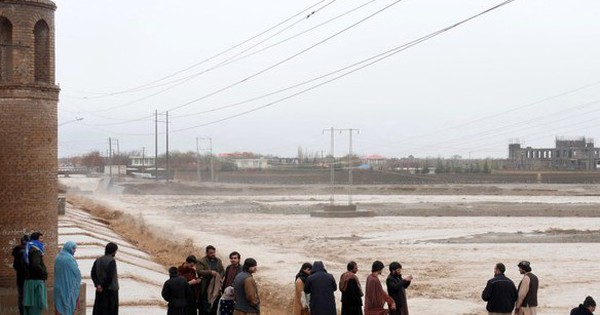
(321, 286)
(106, 281)
(500, 292)
(351, 291)
(396, 287)
(178, 293)
(20, 268)
(586, 308)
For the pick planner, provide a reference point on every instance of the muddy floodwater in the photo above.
(448, 242)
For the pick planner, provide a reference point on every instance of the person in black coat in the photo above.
(178, 293)
(20, 268)
(500, 292)
(396, 287)
(321, 286)
(586, 308)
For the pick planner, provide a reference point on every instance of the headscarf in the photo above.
(301, 274)
(228, 294)
(33, 243)
(67, 279)
(345, 278)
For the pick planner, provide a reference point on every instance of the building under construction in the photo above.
(569, 154)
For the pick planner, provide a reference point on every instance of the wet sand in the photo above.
(447, 237)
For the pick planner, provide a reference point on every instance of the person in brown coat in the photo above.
(300, 298)
(351, 291)
(210, 285)
(188, 271)
(375, 296)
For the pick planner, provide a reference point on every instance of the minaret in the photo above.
(28, 130)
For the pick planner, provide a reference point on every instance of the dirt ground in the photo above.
(449, 237)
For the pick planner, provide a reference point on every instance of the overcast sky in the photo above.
(529, 70)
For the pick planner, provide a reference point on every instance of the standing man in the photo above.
(211, 284)
(188, 271)
(106, 281)
(321, 285)
(246, 290)
(351, 291)
(177, 292)
(35, 296)
(396, 287)
(20, 268)
(375, 297)
(232, 270)
(527, 299)
(586, 308)
(500, 293)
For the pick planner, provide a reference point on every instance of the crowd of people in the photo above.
(205, 287)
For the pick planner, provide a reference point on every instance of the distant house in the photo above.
(374, 160)
(246, 160)
(286, 163)
(139, 161)
(251, 164)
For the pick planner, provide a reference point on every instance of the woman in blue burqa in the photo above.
(67, 279)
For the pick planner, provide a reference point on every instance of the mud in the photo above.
(449, 237)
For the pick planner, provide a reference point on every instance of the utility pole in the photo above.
(167, 144)
(143, 158)
(118, 152)
(156, 145)
(350, 165)
(212, 169)
(198, 160)
(332, 176)
(350, 131)
(110, 156)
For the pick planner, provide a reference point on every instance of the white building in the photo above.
(139, 161)
(247, 164)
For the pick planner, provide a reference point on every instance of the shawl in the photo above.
(34, 243)
(67, 279)
(347, 276)
(214, 286)
(228, 294)
(375, 297)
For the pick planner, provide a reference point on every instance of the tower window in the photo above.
(41, 34)
(5, 49)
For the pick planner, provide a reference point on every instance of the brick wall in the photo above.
(28, 134)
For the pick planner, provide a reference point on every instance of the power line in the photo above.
(372, 60)
(538, 102)
(177, 82)
(261, 71)
(212, 57)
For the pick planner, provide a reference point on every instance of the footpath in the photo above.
(140, 279)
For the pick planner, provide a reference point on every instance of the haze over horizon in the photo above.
(527, 70)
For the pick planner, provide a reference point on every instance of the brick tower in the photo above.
(28, 129)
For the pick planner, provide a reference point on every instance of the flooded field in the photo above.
(449, 243)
